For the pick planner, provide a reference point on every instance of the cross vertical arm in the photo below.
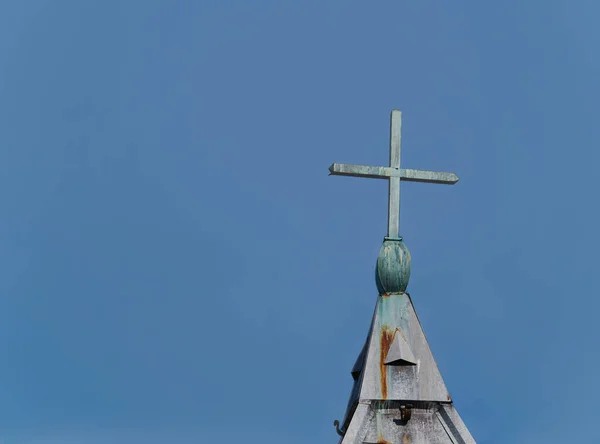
(394, 182)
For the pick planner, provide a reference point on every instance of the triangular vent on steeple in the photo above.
(399, 352)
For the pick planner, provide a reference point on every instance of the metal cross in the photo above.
(394, 174)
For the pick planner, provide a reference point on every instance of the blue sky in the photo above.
(177, 266)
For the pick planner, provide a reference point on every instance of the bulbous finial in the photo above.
(393, 267)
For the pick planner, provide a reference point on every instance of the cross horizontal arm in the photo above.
(428, 176)
(344, 169)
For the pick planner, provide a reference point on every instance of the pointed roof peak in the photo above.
(398, 389)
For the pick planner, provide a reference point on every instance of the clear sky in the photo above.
(177, 266)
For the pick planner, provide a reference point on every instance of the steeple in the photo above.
(398, 396)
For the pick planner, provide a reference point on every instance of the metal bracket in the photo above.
(336, 424)
(393, 239)
(405, 412)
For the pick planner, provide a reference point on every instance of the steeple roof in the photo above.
(395, 375)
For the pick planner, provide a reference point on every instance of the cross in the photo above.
(394, 174)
